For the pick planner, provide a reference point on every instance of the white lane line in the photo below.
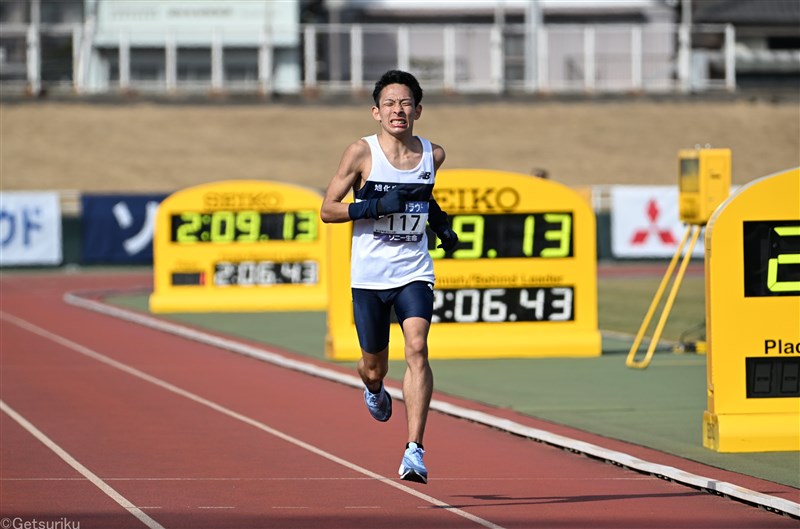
(438, 478)
(619, 458)
(35, 329)
(85, 472)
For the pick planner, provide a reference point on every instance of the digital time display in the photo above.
(538, 235)
(499, 305)
(771, 258)
(224, 227)
(240, 245)
(265, 273)
(772, 377)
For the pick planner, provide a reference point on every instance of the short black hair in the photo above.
(397, 77)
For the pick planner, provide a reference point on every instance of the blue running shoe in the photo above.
(379, 404)
(412, 468)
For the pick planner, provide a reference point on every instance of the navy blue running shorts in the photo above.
(372, 311)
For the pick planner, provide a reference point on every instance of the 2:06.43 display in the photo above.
(491, 305)
(265, 273)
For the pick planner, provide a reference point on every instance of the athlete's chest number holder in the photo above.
(753, 318)
(521, 283)
(239, 245)
(408, 226)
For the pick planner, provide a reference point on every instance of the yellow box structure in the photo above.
(237, 246)
(522, 282)
(753, 318)
(704, 182)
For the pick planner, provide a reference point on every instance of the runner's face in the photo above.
(397, 110)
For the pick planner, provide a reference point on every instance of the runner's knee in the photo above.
(372, 368)
(416, 347)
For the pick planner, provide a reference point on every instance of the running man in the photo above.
(392, 174)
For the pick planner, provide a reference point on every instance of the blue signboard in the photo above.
(118, 229)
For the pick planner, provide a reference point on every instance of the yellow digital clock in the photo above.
(753, 318)
(239, 245)
(220, 227)
(522, 281)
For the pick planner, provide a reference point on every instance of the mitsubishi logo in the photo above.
(640, 236)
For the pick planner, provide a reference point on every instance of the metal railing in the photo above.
(334, 58)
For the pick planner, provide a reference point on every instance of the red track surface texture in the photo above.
(146, 429)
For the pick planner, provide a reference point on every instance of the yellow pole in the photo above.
(630, 361)
(673, 293)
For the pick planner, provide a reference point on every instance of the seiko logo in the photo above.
(484, 199)
(424, 175)
(242, 200)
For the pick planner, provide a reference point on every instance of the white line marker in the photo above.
(686, 478)
(238, 416)
(438, 478)
(85, 472)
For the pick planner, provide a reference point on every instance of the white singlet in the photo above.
(393, 251)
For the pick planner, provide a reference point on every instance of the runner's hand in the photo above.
(448, 239)
(393, 202)
(437, 219)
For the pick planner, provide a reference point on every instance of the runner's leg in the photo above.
(418, 379)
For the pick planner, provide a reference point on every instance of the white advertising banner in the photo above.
(30, 228)
(645, 223)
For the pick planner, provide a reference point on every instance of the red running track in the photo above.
(154, 430)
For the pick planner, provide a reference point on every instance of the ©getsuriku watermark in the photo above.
(19, 522)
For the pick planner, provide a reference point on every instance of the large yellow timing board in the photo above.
(753, 318)
(239, 245)
(521, 283)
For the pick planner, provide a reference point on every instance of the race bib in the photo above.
(408, 226)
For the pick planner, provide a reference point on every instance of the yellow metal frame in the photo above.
(631, 361)
(699, 194)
